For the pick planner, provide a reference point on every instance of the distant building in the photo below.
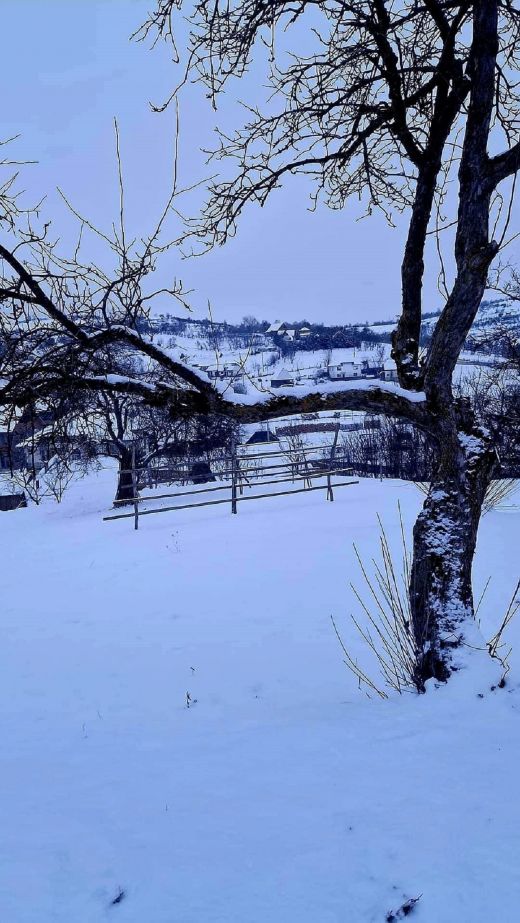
(345, 370)
(231, 370)
(279, 327)
(389, 372)
(262, 434)
(282, 379)
(26, 439)
(38, 448)
(5, 448)
(7, 428)
(372, 368)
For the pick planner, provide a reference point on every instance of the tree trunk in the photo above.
(125, 485)
(444, 541)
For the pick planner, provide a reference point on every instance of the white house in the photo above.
(389, 372)
(232, 369)
(345, 370)
(225, 370)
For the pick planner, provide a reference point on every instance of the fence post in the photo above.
(134, 489)
(330, 494)
(234, 477)
(240, 483)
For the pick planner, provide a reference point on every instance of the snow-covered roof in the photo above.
(30, 442)
(283, 375)
(276, 327)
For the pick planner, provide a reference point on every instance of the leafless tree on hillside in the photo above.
(395, 97)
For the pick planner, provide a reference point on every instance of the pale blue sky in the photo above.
(68, 68)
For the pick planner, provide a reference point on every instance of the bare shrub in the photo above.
(30, 483)
(499, 490)
(496, 645)
(386, 630)
(57, 477)
(52, 480)
(294, 446)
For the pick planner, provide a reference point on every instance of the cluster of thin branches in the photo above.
(349, 110)
(51, 481)
(498, 491)
(66, 319)
(496, 645)
(385, 626)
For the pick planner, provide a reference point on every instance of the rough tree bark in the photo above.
(444, 540)
(446, 531)
(125, 483)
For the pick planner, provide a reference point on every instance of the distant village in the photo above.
(253, 354)
(373, 364)
(245, 356)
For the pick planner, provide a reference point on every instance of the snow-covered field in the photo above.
(282, 794)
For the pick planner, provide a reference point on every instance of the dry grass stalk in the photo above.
(496, 644)
(387, 632)
(498, 491)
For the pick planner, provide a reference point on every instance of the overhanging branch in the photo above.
(504, 165)
(378, 398)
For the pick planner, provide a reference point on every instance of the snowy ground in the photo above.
(282, 795)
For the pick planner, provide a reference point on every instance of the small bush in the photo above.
(387, 629)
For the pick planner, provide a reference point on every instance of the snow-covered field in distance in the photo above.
(282, 794)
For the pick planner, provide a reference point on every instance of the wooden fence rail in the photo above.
(244, 472)
(206, 490)
(191, 506)
(185, 472)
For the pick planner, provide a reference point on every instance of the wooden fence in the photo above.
(242, 470)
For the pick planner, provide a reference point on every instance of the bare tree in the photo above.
(395, 97)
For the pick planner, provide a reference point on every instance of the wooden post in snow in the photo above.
(234, 477)
(330, 494)
(134, 491)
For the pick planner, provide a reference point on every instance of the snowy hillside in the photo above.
(254, 362)
(182, 743)
(491, 314)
